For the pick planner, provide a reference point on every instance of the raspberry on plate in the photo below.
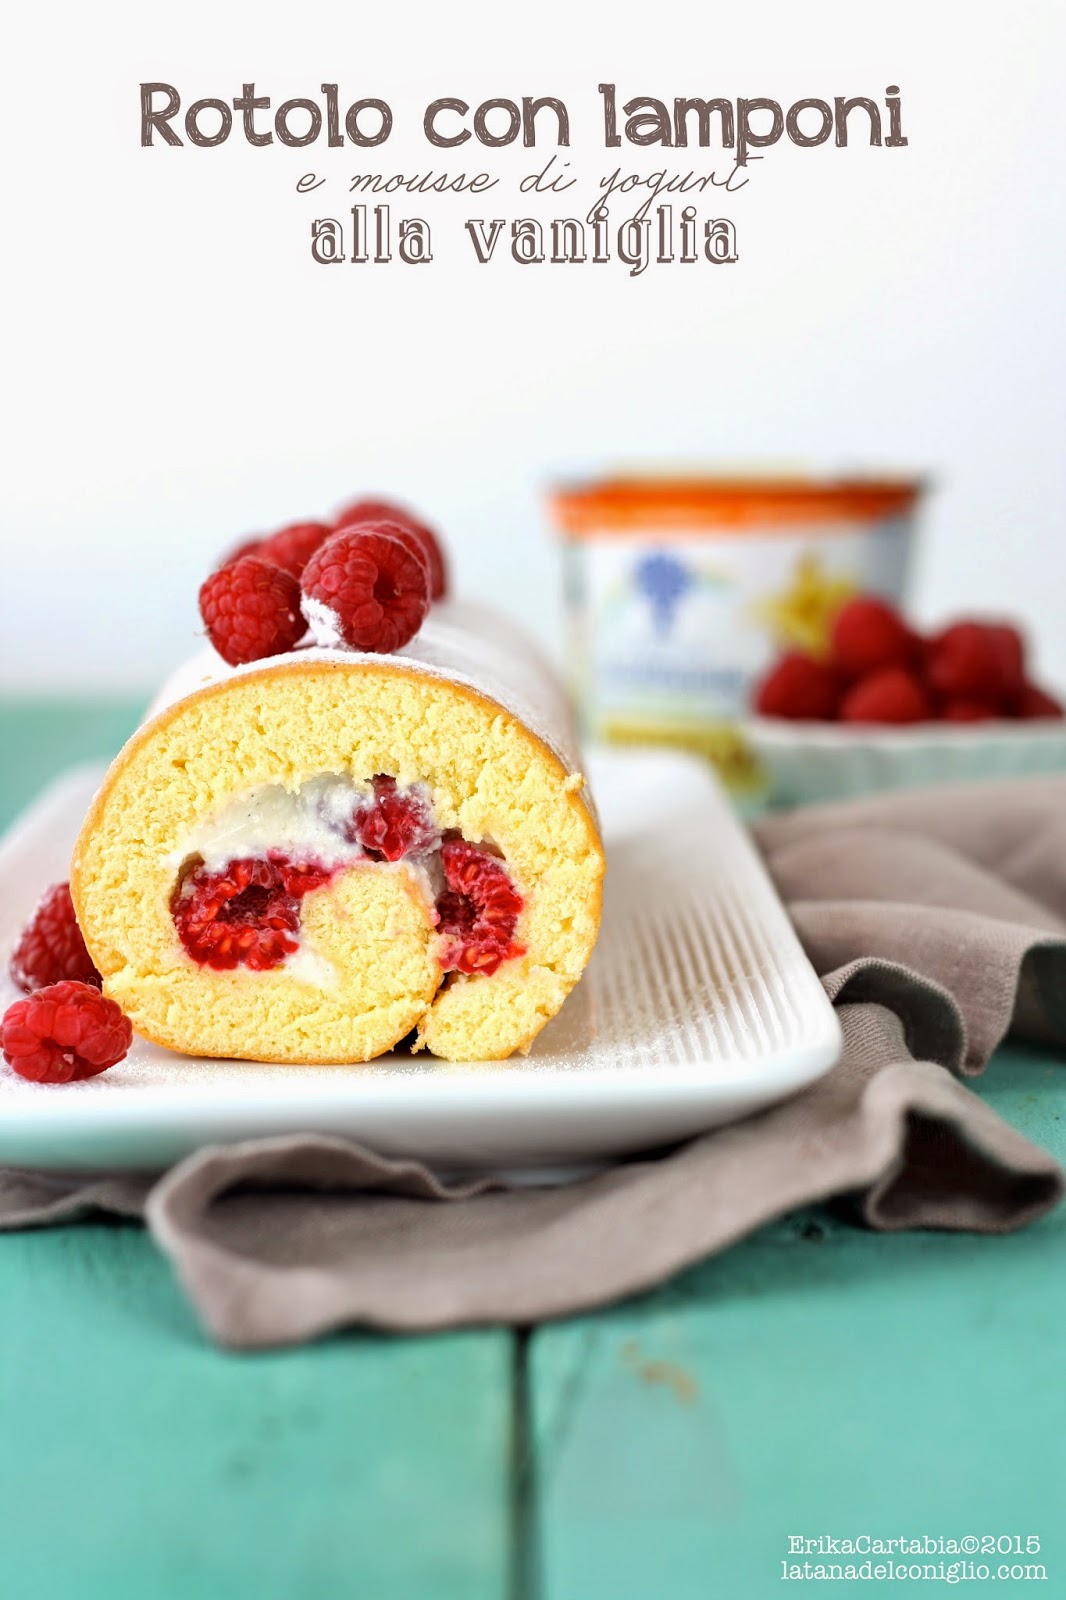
(478, 911)
(799, 687)
(869, 634)
(366, 590)
(51, 946)
(892, 695)
(251, 609)
(291, 548)
(361, 512)
(64, 1032)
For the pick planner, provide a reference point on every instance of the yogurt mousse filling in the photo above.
(242, 877)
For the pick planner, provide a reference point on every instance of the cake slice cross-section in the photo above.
(313, 857)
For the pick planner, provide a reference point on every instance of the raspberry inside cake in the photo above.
(311, 858)
(238, 893)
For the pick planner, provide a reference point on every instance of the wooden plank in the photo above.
(138, 1461)
(814, 1379)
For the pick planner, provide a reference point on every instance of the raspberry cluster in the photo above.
(66, 1029)
(878, 669)
(364, 581)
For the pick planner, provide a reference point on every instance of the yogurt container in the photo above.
(680, 592)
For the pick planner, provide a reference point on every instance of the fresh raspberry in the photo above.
(1034, 703)
(974, 661)
(478, 911)
(799, 687)
(63, 1032)
(247, 915)
(368, 510)
(406, 535)
(891, 695)
(969, 711)
(1010, 651)
(367, 589)
(291, 548)
(247, 547)
(51, 946)
(393, 822)
(251, 609)
(868, 634)
(361, 512)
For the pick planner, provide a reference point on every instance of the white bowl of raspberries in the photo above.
(886, 707)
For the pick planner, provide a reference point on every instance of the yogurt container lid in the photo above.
(631, 503)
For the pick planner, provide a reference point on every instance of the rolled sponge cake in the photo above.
(269, 763)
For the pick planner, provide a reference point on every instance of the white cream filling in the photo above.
(311, 968)
(305, 824)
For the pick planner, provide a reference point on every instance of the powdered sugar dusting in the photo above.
(323, 623)
(458, 643)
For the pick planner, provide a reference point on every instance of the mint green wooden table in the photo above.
(815, 1379)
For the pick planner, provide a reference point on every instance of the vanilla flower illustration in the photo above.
(663, 580)
(801, 615)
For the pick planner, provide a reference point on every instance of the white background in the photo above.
(177, 373)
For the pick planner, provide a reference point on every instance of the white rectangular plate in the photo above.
(697, 1008)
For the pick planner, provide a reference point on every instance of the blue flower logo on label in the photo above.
(663, 580)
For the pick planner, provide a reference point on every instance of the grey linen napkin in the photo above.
(938, 922)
